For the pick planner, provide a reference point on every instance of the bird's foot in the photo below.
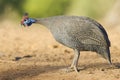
(71, 69)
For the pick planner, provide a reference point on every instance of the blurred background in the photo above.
(104, 11)
(98, 9)
(44, 8)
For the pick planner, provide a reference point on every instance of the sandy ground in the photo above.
(33, 54)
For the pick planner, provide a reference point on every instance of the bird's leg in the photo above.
(75, 61)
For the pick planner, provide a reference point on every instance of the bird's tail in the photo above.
(106, 54)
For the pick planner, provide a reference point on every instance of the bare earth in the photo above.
(33, 54)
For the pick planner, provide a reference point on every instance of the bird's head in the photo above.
(26, 21)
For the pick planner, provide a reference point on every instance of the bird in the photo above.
(79, 33)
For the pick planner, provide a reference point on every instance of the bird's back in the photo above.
(76, 32)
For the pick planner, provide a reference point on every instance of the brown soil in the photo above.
(33, 54)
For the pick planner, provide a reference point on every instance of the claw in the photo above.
(71, 69)
(76, 70)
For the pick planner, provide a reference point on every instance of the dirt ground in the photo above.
(33, 54)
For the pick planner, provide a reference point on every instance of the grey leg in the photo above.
(75, 61)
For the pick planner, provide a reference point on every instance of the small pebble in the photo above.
(27, 56)
(55, 46)
(66, 51)
(102, 69)
(17, 58)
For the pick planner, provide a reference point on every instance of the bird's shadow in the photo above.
(28, 71)
(101, 66)
(117, 65)
(31, 71)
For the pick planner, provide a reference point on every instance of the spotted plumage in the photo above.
(79, 33)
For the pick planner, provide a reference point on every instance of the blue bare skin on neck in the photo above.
(29, 21)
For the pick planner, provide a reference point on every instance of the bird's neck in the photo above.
(45, 22)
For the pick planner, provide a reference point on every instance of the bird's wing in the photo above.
(92, 36)
(89, 34)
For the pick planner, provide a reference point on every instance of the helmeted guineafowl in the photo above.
(76, 32)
